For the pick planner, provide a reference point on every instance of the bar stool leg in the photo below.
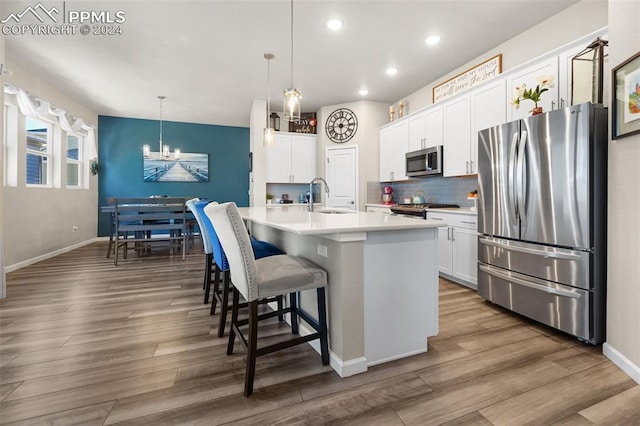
(207, 277)
(293, 302)
(224, 308)
(280, 306)
(251, 348)
(216, 289)
(234, 319)
(322, 322)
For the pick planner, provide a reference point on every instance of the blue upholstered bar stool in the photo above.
(258, 279)
(196, 206)
(217, 263)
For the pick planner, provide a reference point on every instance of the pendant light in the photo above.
(164, 151)
(292, 97)
(268, 134)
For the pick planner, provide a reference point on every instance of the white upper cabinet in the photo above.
(291, 159)
(529, 76)
(434, 135)
(488, 109)
(425, 128)
(386, 154)
(394, 144)
(457, 136)
(417, 131)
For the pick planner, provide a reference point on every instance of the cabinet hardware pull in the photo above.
(453, 235)
(436, 218)
(471, 168)
(470, 223)
(558, 292)
(563, 255)
(553, 105)
(561, 103)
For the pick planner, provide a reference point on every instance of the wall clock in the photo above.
(341, 125)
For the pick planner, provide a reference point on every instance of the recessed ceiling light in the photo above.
(363, 92)
(334, 24)
(392, 71)
(432, 40)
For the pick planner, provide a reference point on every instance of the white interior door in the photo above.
(342, 177)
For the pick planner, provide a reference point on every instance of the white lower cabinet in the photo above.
(457, 247)
(378, 209)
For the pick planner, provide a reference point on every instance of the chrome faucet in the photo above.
(326, 187)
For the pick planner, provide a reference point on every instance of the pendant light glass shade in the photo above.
(268, 133)
(268, 137)
(292, 105)
(292, 97)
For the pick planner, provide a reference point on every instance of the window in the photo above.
(38, 152)
(74, 160)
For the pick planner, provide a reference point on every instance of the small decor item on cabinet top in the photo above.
(307, 124)
(401, 109)
(270, 197)
(391, 113)
(545, 82)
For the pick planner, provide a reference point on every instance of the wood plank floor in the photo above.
(84, 342)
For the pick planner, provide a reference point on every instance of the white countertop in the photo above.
(298, 220)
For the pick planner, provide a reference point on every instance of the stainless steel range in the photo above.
(420, 210)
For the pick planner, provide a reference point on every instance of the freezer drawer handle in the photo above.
(556, 291)
(545, 254)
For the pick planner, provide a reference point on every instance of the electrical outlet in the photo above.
(322, 250)
(75, 228)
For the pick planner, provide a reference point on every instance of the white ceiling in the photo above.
(206, 57)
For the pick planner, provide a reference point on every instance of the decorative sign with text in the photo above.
(307, 123)
(468, 79)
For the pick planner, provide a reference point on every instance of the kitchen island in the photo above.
(383, 278)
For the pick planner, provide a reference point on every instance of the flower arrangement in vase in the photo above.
(520, 93)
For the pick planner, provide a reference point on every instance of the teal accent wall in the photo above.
(120, 142)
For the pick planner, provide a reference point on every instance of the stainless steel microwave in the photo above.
(426, 162)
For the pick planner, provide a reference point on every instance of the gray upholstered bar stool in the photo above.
(262, 278)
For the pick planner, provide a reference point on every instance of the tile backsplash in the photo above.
(436, 190)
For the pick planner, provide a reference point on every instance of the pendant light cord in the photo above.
(292, 44)
(268, 91)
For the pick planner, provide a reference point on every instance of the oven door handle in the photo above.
(520, 281)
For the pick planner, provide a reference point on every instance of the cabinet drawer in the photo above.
(455, 220)
(383, 210)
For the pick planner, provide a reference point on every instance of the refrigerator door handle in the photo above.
(547, 255)
(511, 189)
(520, 177)
(520, 281)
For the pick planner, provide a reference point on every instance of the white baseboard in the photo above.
(621, 361)
(46, 256)
(343, 368)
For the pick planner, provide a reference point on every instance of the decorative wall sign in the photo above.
(307, 123)
(176, 167)
(468, 79)
(625, 111)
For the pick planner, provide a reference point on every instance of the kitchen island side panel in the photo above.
(400, 293)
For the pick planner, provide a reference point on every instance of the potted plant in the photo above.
(270, 197)
(545, 82)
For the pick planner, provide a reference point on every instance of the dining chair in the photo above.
(258, 279)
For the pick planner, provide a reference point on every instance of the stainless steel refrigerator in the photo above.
(542, 207)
